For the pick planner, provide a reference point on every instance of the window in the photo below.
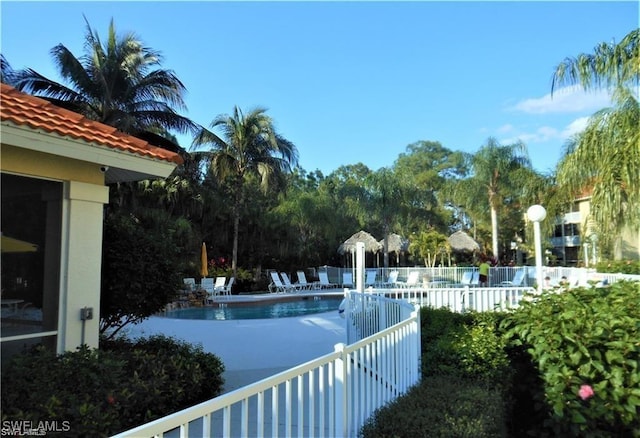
(571, 229)
(557, 232)
(31, 214)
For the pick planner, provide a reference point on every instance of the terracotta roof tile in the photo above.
(37, 113)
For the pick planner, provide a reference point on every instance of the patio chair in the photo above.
(189, 284)
(518, 277)
(392, 280)
(370, 279)
(225, 289)
(475, 279)
(324, 281)
(208, 286)
(466, 278)
(302, 281)
(412, 279)
(287, 283)
(276, 285)
(347, 279)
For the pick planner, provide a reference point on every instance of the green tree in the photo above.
(497, 176)
(248, 146)
(428, 244)
(308, 223)
(605, 157)
(426, 167)
(116, 83)
(385, 193)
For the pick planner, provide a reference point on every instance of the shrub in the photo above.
(102, 392)
(619, 266)
(585, 336)
(167, 375)
(139, 274)
(77, 387)
(466, 345)
(482, 350)
(441, 406)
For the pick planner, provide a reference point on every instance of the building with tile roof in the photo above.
(55, 166)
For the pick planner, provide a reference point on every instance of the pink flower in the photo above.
(586, 391)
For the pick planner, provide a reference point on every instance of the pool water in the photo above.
(267, 310)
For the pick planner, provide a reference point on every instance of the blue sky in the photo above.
(351, 82)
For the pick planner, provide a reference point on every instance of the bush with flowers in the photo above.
(585, 343)
(221, 267)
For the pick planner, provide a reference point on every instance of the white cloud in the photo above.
(542, 134)
(578, 125)
(506, 128)
(566, 100)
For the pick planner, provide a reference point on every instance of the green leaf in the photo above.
(577, 417)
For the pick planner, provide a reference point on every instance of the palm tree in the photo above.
(249, 146)
(6, 72)
(496, 173)
(605, 157)
(116, 83)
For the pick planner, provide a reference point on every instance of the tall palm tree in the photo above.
(495, 176)
(605, 157)
(249, 146)
(116, 83)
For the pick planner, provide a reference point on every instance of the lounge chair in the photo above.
(347, 279)
(518, 277)
(212, 288)
(207, 285)
(392, 280)
(324, 281)
(224, 289)
(466, 278)
(287, 283)
(475, 279)
(276, 285)
(302, 281)
(412, 279)
(189, 284)
(370, 279)
(219, 284)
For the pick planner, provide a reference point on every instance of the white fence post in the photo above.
(340, 393)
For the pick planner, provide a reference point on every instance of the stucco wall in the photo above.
(27, 162)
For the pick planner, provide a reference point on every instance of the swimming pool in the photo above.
(265, 310)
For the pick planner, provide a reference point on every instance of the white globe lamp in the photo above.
(536, 214)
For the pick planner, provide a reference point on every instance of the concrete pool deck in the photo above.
(253, 349)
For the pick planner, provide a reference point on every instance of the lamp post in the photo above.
(536, 214)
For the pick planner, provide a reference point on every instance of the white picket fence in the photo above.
(462, 299)
(331, 396)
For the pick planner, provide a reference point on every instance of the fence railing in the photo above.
(462, 299)
(497, 275)
(331, 396)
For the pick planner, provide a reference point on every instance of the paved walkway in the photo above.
(254, 349)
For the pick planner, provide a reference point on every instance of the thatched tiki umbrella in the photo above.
(462, 242)
(349, 245)
(396, 244)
